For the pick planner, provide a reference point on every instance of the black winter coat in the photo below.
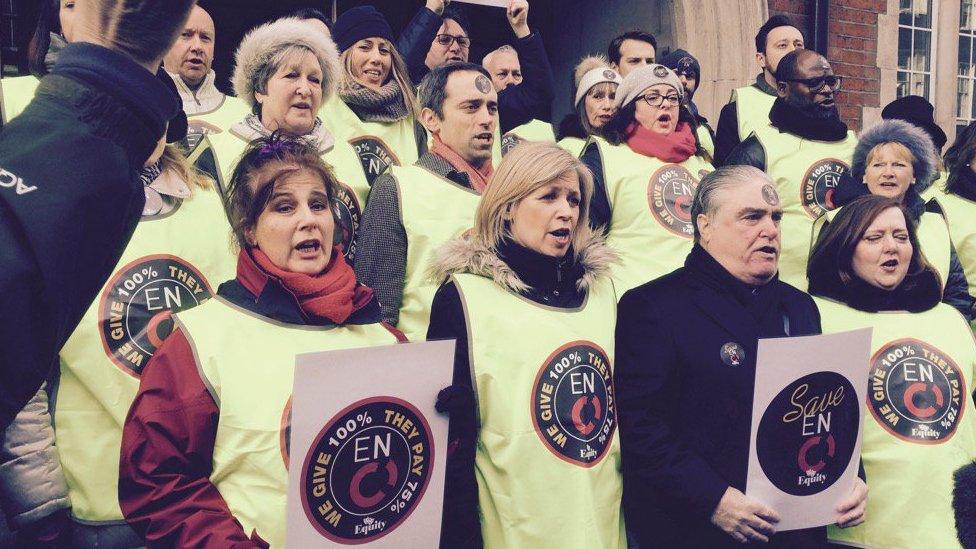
(685, 412)
(69, 201)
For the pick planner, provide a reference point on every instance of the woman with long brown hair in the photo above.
(867, 270)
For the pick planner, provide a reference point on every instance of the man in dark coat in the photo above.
(69, 195)
(685, 370)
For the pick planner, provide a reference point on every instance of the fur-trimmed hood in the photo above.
(470, 256)
(897, 131)
(263, 43)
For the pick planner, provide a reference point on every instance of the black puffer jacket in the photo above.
(69, 201)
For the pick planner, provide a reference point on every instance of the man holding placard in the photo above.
(686, 361)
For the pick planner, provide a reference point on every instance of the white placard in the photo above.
(368, 449)
(494, 3)
(807, 412)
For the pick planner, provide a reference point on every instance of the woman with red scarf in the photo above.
(646, 168)
(204, 448)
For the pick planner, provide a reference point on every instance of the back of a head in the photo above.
(964, 504)
(773, 22)
(613, 50)
(789, 65)
(312, 13)
(142, 29)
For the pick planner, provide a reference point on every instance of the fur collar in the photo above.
(471, 256)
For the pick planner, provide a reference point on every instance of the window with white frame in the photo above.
(915, 39)
(966, 76)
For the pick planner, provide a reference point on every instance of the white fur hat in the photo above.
(263, 43)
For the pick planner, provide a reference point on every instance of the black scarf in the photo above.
(917, 293)
(792, 120)
(543, 273)
(764, 303)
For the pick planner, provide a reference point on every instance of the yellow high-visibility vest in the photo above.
(650, 204)
(248, 363)
(919, 427)
(173, 262)
(547, 418)
(15, 94)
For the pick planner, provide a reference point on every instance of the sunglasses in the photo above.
(447, 40)
(818, 84)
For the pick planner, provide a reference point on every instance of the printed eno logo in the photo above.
(367, 470)
(572, 403)
(348, 215)
(916, 392)
(375, 156)
(669, 195)
(807, 434)
(136, 308)
(819, 184)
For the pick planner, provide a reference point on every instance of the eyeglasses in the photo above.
(817, 84)
(447, 39)
(655, 100)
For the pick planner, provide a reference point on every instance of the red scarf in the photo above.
(478, 178)
(674, 147)
(334, 295)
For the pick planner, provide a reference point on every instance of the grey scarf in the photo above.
(58, 43)
(385, 105)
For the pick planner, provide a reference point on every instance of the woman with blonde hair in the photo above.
(542, 424)
(375, 110)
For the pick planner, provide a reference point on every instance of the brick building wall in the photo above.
(852, 49)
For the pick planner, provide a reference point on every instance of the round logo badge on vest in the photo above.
(509, 142)
(819, 184)
(136, 308)
(348, 215)
(732, 354)
(807, 434)
(660, 71)
(669, 194)
(916, 391)
(573, 406)
(367, 470)
(375, 156)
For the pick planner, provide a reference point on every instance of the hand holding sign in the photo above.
(851, 511)
(743, 518)
(438, 6)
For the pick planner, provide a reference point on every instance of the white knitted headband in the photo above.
(595, 76)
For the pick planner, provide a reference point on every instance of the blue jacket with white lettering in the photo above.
(69, 201)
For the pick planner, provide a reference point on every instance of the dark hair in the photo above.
(773, 22)
(958, 156)
(260, 167)
(615, 131)
(144, 29)
(49, 21)
(830, 269)
(570, 126)
(613, 51)
(432, 90)
(786, 70)
(456, 14)
(312, 13)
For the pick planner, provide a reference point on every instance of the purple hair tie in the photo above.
(274, 147)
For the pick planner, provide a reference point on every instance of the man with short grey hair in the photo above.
(413, 209)
(503, 66)
(685, 371)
